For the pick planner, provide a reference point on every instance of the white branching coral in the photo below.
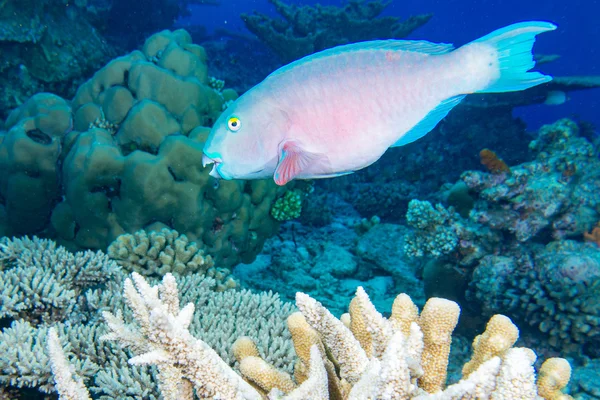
(68, 385)
(406, 355)
(43, 284)
(163, 336)
(40, 281)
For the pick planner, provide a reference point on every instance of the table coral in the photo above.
(307, 29)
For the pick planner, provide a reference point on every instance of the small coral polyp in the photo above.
(126, 154)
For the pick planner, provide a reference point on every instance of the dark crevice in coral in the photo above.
(5, 322)
(109, 191)
(33, 174)
(128, 148)
(39, 137)
(126, 78)
(76, 229)
(175, 177)
(248, 188)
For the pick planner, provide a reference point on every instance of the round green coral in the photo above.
(289, 206)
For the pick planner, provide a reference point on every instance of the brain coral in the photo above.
(127, 156)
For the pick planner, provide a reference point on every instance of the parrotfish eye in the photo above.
(234, 124)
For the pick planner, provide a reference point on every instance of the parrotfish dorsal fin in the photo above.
(432, 118)
(292, 161)
(418, 46)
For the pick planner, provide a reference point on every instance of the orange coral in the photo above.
(593, 236)
(492, 162)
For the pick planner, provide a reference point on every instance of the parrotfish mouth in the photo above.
(206, 160)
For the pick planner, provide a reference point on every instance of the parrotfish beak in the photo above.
(216, 170)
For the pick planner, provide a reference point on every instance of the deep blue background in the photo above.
(577, 39)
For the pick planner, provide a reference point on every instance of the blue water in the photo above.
(456, 21)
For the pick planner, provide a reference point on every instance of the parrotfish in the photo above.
(337, 111)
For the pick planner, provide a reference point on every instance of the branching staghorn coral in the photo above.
(103, 366)
(362, 355)
(41, 282)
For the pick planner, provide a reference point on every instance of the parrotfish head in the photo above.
(243, 143)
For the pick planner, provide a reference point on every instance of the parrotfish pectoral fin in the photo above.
(292, 161)
(429, 122)
(514, 45)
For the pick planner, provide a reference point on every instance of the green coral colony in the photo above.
(128, 272)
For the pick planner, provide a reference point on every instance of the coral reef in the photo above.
(440, 232)
(363, 355)
(556, 290)
(43, 284)
(45, 46)
(289, 206)
(511, 248)
(554, 195)
(54, 45)
(492, 162)
(330, 261)
(29, 158)
(307, 29)
(126, 154)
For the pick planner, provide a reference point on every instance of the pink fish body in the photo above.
(339, 110)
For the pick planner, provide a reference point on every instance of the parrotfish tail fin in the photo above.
(514, 45)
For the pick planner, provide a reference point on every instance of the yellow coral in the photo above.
(554, 376)
(404, 313)
(500, 335)
(267, 377)
(437, 321)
